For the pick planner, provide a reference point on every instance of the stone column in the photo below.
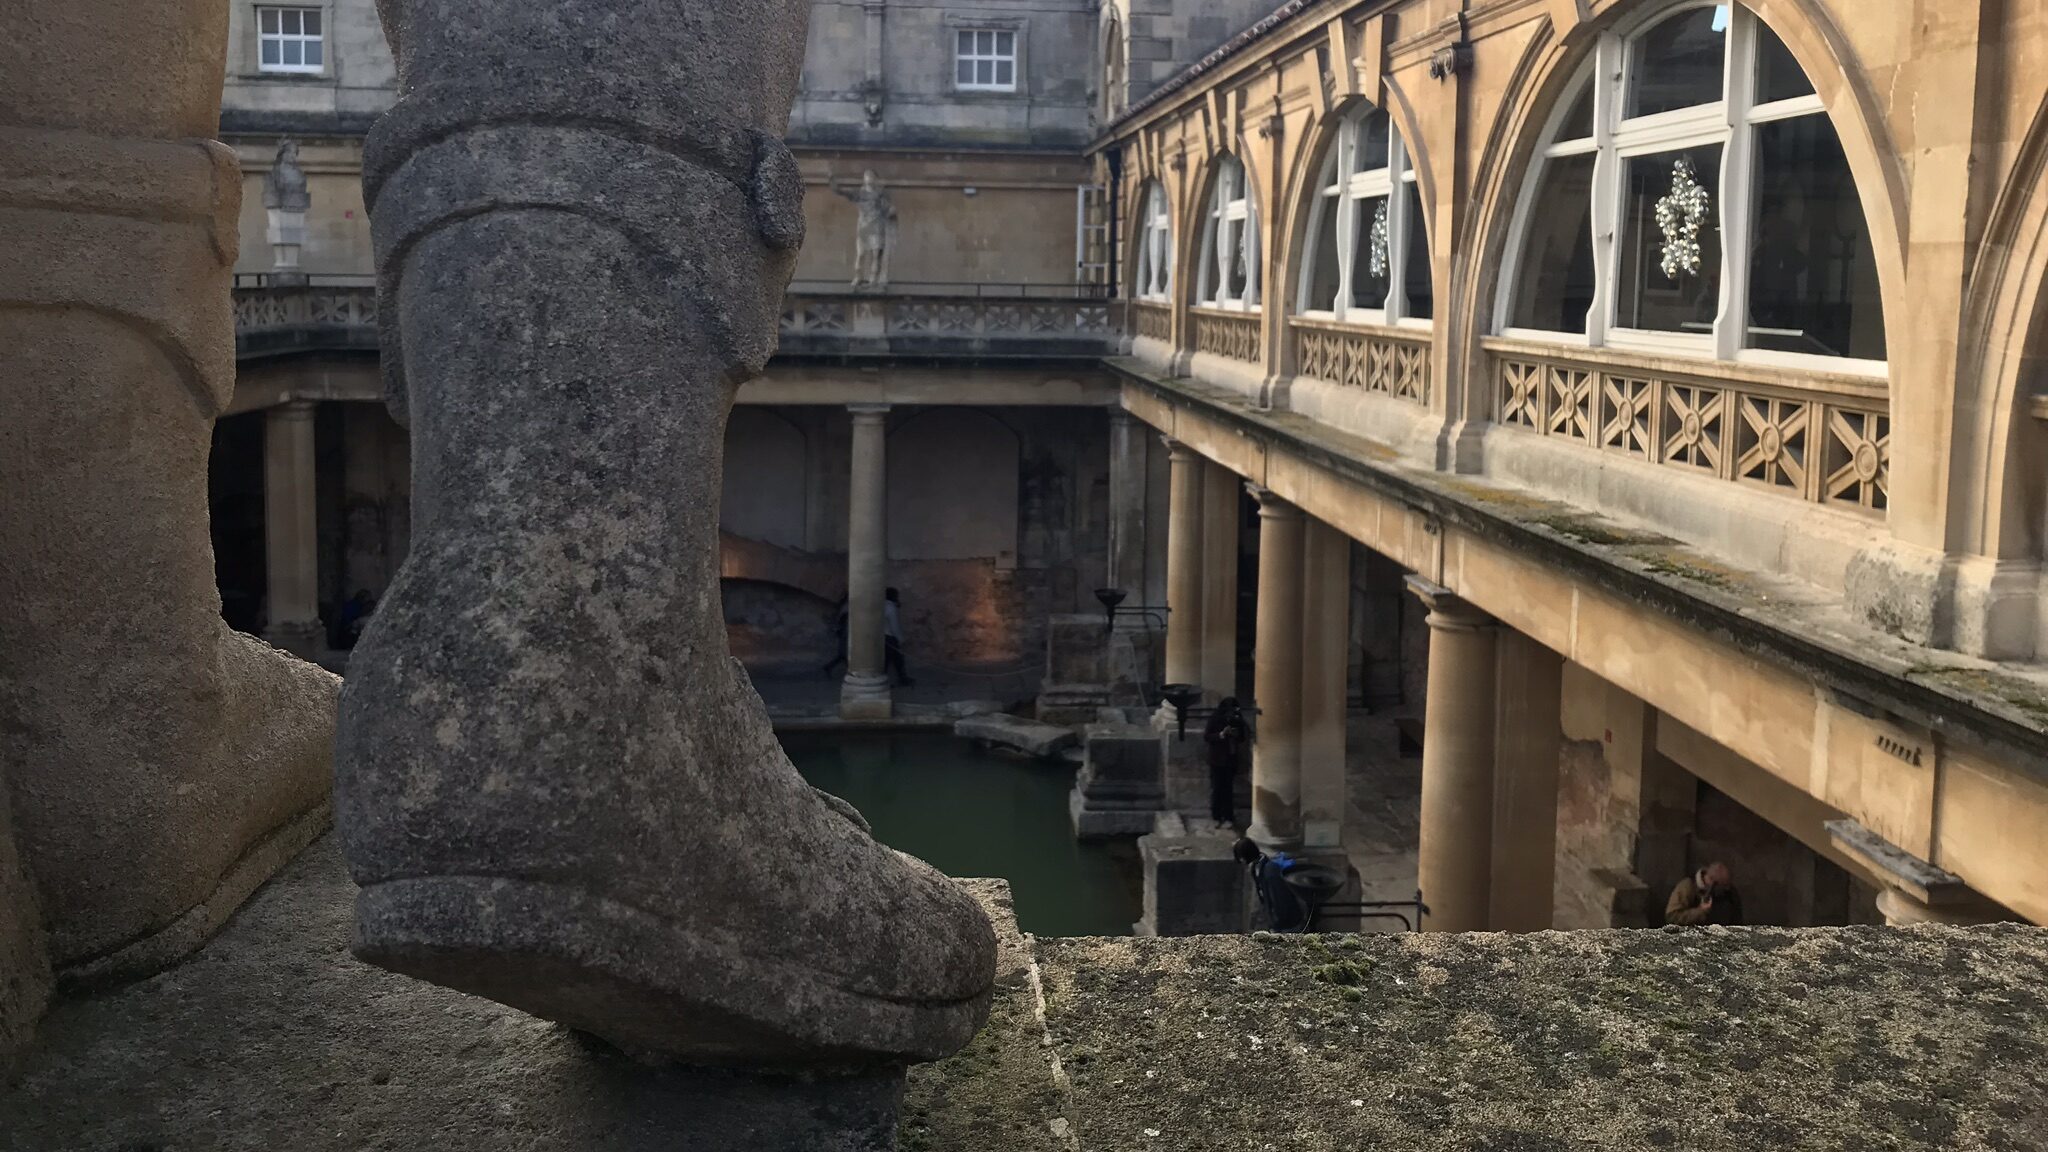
(1276, 677)
(1127, 504)
(1325, 652)
(1222, 497)
(1528, 739)
(1183, 566)
(1455, 860)
(161, 766)
(865, 693)
(291, 528)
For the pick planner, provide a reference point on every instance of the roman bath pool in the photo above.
(975, 813)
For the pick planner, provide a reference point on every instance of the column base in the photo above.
(1270, 841)
(865, 697)
(305, 639)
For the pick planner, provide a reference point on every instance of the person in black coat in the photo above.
(1226, 735)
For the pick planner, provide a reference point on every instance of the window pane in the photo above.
(963, 72)
(1373, 132)
(1006, 43)
(270, 55)
(292, 55)
(985, 43)
(313, 53)
(1371, 260)
(964, 44)
(290, 19)
(1415, 264)
(1578, 122)
(984, 72)
(1778, 75)
(1554, 275)
(1670, 261)
(1322, 285)
(311, 18)
(1678, 63)
(1006, 73)
(1812, 277)
(267, 19)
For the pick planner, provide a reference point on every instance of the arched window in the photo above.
(1368, 258)
(1230, 242)
(1155, 246)
(1691, 196)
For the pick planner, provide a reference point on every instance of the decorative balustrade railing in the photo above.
(931, 319)
(1387, 360)
(1152, 320)
(1824, 439)
(1234, 335)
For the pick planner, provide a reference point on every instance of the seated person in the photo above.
(1705, 897)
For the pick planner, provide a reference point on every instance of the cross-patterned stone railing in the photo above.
(1152, 320)
(1392, 361)
(1233, 335)
(1822, 438)
(273, 318)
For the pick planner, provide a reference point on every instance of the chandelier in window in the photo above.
(1679, 216)
(1378, 241)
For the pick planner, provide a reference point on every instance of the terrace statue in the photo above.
(554, 786)
(874, 233)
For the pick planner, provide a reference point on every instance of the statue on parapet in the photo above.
(554, 785)
(874, 233)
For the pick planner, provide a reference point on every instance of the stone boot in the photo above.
(553, 784)
(161, 765)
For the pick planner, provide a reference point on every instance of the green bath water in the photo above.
(973, 813)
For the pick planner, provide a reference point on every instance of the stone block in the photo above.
(1120, 787)
(1193, 886)
(24, 955)
(1018, 734)
(1071, 704)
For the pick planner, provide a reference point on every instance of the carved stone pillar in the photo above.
(554, 785)
(1276, 677)
(1325, 664)
(865, 693)
(1455, 859)
(1183, 565)
(1528, 741)
(161, 765)
(1222, 501)
(291, 537)
(1127, 504)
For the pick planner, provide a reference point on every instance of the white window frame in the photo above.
(301, 38)
(1348, 188)
(1155, 247)
(967, 50)
(1232, 219)
(1729, 122)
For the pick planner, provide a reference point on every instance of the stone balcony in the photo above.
(819, 320)
(1709, 1038)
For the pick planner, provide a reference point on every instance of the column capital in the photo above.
(1447, 609)
(1271, 506)
(871, 411)
(294, 409)
(1178, 450)
(1120, 416)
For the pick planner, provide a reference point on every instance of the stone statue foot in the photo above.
(654, 872)
(162, 766)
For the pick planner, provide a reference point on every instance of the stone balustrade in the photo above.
(917, 319)
(1817, 437)
(1232, 335)
(1386, 360)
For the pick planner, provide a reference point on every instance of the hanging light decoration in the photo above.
(1680, 214)
(1379, 241)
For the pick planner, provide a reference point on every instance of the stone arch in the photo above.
(953, 475)
(1304, 176)
(2005, 340)
(1551, 65)
(1195, 219)
(765, 494)
(1115, 59)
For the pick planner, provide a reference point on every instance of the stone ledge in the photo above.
(1926, 1038)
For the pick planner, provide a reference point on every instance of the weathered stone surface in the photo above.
(1708, 1039)
(555, 787)
(1027, 736)
(1121, 784)
(1193, 884)
(274, 1037)
(160, 764)
(24, 953)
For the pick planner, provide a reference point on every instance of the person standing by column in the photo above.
(1226, 735)
(892, 638)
